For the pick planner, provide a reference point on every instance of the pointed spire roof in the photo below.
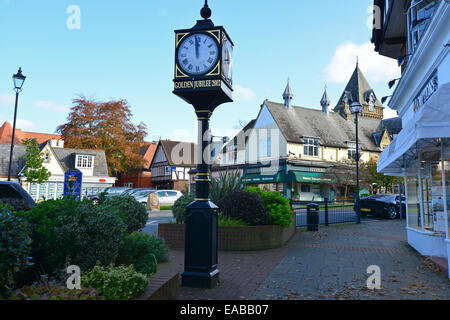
(288, 91)
(325, 101)
(358, 89)
(288, 96)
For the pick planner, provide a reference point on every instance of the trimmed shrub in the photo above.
(43, 219)
(115, 283)
(15, 247)
(144, 251)
(179, 208)
(47, 292)
(68, 231)
(133, 213)
(92, 236)
(276, 205)
(244, 206)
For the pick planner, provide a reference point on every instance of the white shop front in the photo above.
(421, 154)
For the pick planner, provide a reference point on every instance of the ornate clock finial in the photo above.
(206, 11)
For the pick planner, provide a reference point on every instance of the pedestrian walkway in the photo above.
(329, 264)
(332, 264)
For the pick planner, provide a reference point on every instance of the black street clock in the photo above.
(204, 63)
(203, 78)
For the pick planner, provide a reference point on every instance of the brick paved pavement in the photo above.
(241, 273)
(329, 264)
(332, 264)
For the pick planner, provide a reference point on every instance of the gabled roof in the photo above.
(174, 149)
(359, 89)
(18, 159)
(147, 152)
(66, 157)
(333, 130)
(6, 135)
(240, 140)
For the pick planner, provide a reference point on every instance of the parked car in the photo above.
(165, 197)
(142, 195)
(133, 191)
(13, 194)
(383, 205)
(109, 192)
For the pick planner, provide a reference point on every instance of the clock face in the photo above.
(227, 61)
(198, 54)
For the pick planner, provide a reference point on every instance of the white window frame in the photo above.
(313, 143)
(84, 162)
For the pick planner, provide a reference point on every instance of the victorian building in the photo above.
(417, 34)
(304, 152)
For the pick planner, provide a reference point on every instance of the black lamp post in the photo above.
(18, 79)
(203, 78)
(356, 108)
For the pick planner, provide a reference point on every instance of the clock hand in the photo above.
(197, 46)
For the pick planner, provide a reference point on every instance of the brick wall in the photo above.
(234, 238)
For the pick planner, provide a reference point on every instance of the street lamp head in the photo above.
(19, 79)
(356, 107)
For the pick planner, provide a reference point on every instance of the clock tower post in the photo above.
(203, 78)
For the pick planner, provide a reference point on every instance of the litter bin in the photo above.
(312, 217)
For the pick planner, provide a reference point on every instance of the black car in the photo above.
(13, 194)
(383, 205)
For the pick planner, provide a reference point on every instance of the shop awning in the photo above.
(431, 122)
(311, 177)
(257, 178)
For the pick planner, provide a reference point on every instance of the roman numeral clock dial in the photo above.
(198, 54)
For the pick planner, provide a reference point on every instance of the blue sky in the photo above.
(125, 49)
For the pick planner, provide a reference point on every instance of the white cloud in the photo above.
(7, 100)
(375, 67)
(243, 94)
(389, 113)
(23, 124)
(50, 105)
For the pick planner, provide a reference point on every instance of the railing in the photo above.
(331, 212)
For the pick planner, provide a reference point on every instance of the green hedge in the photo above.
(15, 248)
(276, 205)
(144, 251)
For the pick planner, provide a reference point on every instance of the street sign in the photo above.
(73, 179)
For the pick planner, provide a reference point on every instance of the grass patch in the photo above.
(165, 208)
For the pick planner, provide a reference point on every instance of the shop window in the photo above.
(412, 189)
(446, 162)
(305, 188)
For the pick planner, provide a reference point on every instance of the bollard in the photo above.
(312, 217)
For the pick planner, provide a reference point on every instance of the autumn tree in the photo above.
(374, 177)
(106, 126)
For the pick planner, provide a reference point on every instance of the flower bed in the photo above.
(234, 238)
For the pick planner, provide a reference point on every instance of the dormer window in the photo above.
(84, 162)
(311, 147)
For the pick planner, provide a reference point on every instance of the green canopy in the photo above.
(311, 177)
(257, 178)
